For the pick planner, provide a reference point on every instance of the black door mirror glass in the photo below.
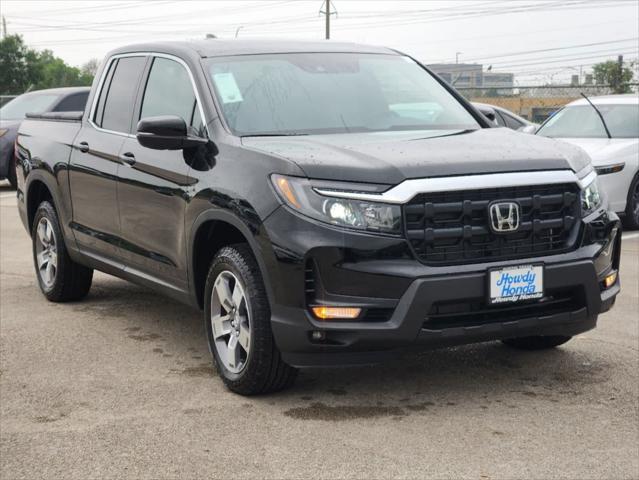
(166, 132)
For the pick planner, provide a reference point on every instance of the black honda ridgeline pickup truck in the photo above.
(321, 203)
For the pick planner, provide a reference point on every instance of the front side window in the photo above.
(511, 122)
(115, 107)
(313, 93)
(582, 121)
(17, 108)
(169, 91)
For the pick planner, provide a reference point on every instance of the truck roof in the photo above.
(216, 47)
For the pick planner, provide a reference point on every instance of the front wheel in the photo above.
(632, 205)
(238, 325)
(537, 343)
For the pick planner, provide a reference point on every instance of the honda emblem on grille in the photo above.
(504, 216)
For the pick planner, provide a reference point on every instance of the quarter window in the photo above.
(169, 91)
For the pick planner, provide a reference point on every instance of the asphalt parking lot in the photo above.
(120, 385)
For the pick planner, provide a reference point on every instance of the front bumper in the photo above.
(426, 306)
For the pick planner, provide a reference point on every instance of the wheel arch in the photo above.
(211, 231)
(37, 191)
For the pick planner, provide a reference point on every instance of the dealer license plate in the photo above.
(515, 284)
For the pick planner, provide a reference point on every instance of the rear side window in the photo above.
(72, 103)
(169, 91)
(115, 112)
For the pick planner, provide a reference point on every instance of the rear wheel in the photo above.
(632, 205)
(59, 277)
(537, 343)
(238, 325)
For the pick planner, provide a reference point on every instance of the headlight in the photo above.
(3, 131)
(299, 194)
(590, 198)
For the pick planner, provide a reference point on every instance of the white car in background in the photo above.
(611, 140)
(505, 118)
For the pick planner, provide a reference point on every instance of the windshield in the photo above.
(312, 93)
(583, 122)
(17, 108)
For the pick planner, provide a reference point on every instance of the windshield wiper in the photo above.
(598, 113)
(452, 134)
(291, 134)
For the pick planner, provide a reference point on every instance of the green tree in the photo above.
(19, 68)
(56, 73)
(609, 73)
(23, 69)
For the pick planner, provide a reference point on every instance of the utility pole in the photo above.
(457, 54)
(4, 27)
(327, 12)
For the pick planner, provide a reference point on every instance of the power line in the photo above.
(526, 52)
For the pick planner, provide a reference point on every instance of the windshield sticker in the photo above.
(227, 87)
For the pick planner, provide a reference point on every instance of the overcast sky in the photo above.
(538, 40)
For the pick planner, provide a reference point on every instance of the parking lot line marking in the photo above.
(7, 195)
(627, 235)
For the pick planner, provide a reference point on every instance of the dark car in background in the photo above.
(70, 99)
(503, 117)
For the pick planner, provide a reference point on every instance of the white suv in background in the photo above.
(608, 130)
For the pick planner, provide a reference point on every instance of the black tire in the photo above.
(537, 343)
(11, 173)
(631, 217)
(263, 370)
(71, 280)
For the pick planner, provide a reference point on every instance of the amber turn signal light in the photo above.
(610, 280)
(286, 189)
(336, 313)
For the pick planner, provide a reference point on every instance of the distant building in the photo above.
(472, 75)
(498, 80)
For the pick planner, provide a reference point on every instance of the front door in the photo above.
(152, 189)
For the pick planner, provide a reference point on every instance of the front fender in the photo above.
(255, 235)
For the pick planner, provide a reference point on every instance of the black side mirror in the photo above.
(167, 132)
(489, 113)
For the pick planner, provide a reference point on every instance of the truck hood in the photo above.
(392, 157)
(604, 151)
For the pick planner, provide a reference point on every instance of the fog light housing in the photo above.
(610, 279)
(336, 313)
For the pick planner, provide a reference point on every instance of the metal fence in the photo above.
(535, 103)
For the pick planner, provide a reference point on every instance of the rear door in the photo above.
(95, 158)
(153, 188)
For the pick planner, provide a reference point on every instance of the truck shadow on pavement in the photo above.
(481, 376)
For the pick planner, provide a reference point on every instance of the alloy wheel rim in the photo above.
(230, 322)
(46, 252)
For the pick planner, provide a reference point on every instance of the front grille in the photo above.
(473, 312)
(453, 227)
